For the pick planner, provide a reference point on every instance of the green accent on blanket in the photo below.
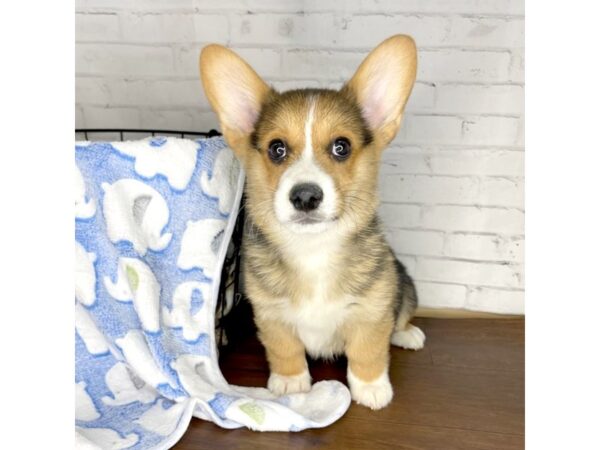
(133, 278)
(254, 412)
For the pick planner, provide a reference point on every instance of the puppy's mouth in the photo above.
(309, 221)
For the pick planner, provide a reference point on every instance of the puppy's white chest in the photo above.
(317, 316)
(317, 321)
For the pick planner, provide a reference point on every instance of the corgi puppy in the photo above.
(317, 269)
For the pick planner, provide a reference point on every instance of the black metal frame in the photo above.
(121, 131)
(226, 327)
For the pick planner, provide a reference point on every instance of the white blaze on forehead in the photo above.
(306, 170)
(308, 149)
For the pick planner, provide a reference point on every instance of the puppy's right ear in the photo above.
(235, 92)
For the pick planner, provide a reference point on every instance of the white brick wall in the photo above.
(451, 183)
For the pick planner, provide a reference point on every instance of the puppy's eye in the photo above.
(340, 149)
(277, 151)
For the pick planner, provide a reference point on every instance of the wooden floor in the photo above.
(464, 390)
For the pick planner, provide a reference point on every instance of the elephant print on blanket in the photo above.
(153, 221)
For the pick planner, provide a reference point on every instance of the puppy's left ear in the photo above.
(383, 82)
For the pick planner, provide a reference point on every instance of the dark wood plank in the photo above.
(465, 390)
(473, 399)
(487, 344)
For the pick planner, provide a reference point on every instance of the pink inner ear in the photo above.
(247, 115)
(242, 111)
(376, 100)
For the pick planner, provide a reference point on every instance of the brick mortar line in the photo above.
(489, 262)
(457, 147)
(358, 12)
(474, 176)
(291, 78)
(475, 83)
(183, 77)
(503, 235)
(511, 264)
(96, 13)
(478, 176)
(471, 286)
(426, 150)
(470, 205)
(428, 205)
(175, 107)
(434, 84)
(425, 113)
(367, 48)
(295, 48)
(447, 233)
(466, 146)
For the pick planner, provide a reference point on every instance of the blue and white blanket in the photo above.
(153, 222)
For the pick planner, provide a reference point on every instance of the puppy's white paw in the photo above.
(281, 384)
(375, 394)
(412, 338)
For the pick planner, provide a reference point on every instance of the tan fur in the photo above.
(285, 352)
(348, 272)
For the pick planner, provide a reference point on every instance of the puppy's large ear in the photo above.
(383, 82)
(235, 92)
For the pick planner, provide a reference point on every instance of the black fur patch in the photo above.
(254, 141)
(370, 260)
(261, 256)
(407, 294)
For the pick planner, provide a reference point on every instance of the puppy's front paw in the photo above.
(282, 384)
(411, 338)
(374, 394)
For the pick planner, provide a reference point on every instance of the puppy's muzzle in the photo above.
(306, 197)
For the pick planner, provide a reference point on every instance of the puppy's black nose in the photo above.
(306, 196)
